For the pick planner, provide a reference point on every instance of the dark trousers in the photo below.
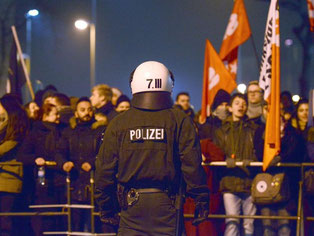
(275, 227)
(7, 201)
(49, 195)
(153, 214)
(81, 218)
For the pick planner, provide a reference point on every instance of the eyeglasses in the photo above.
(254, 92)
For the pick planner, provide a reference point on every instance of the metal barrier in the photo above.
(299, 218)
(68, 206)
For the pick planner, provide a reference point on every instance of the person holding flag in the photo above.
(215, 77)
(279, 141)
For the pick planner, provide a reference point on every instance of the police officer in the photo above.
(146, 150)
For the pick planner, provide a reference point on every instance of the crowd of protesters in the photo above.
(55, 135)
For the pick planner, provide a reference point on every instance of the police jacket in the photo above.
(80, 145)
(42, 141)
(149, 149)
(236, 138)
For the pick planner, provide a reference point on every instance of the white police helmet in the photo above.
(151, 76)
(151, 84)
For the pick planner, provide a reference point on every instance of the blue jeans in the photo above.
(271, 226)
(234, 203)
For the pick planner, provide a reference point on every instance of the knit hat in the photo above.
(221, 96)
(122, 98)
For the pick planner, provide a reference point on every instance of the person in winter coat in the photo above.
(78, 149)
(299, 119)
(210, 152)
(38, 149)
(123, 104)
(218, 115)
(101, 100)
(293, 150)
(255, 100)
(13, 128)
(235, 138)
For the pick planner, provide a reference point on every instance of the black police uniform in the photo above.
(146, 150)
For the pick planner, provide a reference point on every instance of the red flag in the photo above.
(270, 81)
(237, 32)
(215, 77)
(310, 5)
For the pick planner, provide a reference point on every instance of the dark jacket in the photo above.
(236, 138)
(107, 110)
(42, 141)
(208, 129)
(80, 145)
(149, 149)
(293, 150)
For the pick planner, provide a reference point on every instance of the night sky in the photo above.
(129, 32)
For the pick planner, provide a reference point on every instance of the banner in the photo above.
(269, 81)
(215, 77)
(237, 32)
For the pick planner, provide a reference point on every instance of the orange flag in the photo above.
(270, 81)
(310, 5)
(237, 32)
(215, 77)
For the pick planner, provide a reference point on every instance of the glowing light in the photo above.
(241, 88)
(288, 42)
(295, 98)
(33, 12)
(81, 24)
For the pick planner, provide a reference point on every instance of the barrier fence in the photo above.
(66, 208)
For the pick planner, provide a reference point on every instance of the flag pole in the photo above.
(255, 51)
(254, 48)
(19, 52)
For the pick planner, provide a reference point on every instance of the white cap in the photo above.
(151, 76)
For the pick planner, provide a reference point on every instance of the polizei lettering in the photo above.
(147, 134)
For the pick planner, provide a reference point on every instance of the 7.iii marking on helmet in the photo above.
(158, 83)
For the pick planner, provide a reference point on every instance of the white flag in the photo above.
(271, 38)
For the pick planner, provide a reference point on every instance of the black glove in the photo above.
(201, 212)
(246, 162)
(111, 220)
(230, 162)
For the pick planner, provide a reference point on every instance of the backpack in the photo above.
(270, 189)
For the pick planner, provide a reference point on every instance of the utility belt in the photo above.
(127, 197)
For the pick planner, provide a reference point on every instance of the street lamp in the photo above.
(82, 25)
(32, 12)
(29, 15)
